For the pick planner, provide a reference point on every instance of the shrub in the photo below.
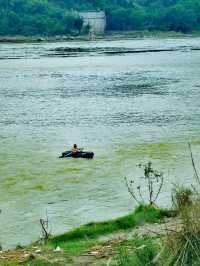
(183, 244)
(150, 184)
(140, 252)
(181, 197)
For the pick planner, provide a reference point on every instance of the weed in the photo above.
(152, 181)
(140, 251)
(181, 197)
(183, 245)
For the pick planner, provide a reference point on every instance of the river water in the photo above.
(129, 101)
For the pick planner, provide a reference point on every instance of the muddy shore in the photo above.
(106, 36)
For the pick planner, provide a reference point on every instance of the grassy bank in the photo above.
(134, 252)
(141, 215)
(82, 239)
(138, 239)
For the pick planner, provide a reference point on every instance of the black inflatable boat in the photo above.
(79, 154)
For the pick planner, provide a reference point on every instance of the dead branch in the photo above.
(46, 232)
(160, 188)
(153, 181)
(193, 164)
(130, 190)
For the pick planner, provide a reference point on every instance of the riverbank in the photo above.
(147, 236)
(94, 243)
(125, 35)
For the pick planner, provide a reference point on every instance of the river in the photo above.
(129, 101)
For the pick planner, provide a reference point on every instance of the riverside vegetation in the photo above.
(58, 17)
(144, 237)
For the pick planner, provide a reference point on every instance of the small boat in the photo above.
(79, 154)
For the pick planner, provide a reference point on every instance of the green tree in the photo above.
(49, 17)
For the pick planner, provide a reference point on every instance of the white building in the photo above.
(95, 19)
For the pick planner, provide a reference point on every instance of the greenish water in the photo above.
(115, 98)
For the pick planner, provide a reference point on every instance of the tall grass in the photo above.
(181, 197)
(183, 244)
(140, 252)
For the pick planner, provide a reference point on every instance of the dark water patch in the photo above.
(64, 55)
(123, 85)
(30, 51)
(195, 49)
(139, 51)
(11, 58)
(120, 118)
(135, 90)
(93, 52)
(80, 51)
(150, 118)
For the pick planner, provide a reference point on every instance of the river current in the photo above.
(128, 101)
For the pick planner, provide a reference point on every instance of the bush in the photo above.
(141, 251)
(149, 186)
(183, 244)
(181, 197)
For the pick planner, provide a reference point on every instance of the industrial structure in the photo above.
(96, 20)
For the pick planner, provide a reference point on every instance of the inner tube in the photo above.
(79, 154)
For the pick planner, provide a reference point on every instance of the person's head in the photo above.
(75, 146)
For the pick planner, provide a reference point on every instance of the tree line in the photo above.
(58, 17)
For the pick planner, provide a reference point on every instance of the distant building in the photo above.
(95, 19)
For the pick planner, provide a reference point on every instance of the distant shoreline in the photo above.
(109, 36)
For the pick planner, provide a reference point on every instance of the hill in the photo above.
(53, 17)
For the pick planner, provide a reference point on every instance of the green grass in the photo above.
(75, 247)
(80, 240)
(83, 238)
(139, 251)
(141, 215)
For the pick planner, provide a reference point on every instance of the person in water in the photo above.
(75, 149)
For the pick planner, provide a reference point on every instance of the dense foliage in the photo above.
(51, 17)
